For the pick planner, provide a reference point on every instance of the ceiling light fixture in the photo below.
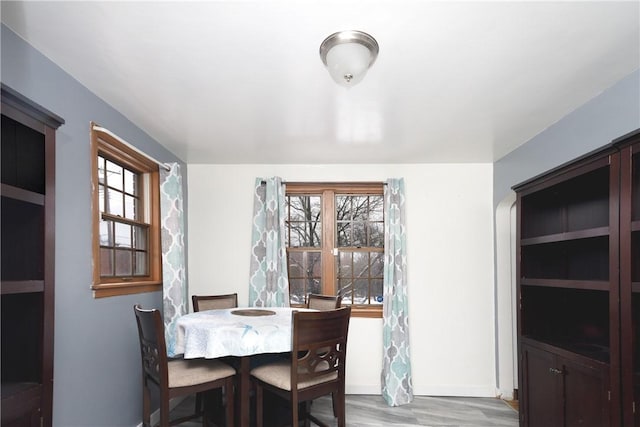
(348, 55)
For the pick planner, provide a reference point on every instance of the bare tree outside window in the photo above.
(335, 243)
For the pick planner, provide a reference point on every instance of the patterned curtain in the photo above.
(269, 282)
(397, 387)
(174, 288)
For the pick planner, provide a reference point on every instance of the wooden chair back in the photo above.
(214, 302)
(323, 302)
(320, 341)
(158, 369)
(153, 347)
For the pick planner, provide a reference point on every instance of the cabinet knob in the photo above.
(555, 371)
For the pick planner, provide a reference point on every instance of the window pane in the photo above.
(296, 291)
(139, 237)
(304, 222)
(344, 234)
(376, 234)
(106, 262)
(304, 234)
(360, 208)
(106, 233)
(344, 264)
(313, 286)
(314, 264)
(304, 208)
(130, 182)
(141, 264)
(377, 264)
(114, 203)
(123, 235)
(345, 290)
(101, 170)
(295, 265)
(123, 263)
(114, 175)
(360, 264)
(376, 208)
(130, 207)
(376, 291)
(343, 208)
(361, 291)
(359, 235)
(101, 198)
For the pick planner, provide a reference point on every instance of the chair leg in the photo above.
(295, 416)
(259, 407)
(307, 413)
(164, 410)
(341, 411)
(229, 404)
(146, 406)
(334, 405)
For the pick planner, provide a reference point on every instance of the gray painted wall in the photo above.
(97, 359)
(613, 113)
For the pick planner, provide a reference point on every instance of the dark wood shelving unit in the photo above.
(27, 268)
(578, 290)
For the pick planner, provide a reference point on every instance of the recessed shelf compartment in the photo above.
(581, 260)
(576, 320)
(23, 156)
(580, 203)
(22, 251)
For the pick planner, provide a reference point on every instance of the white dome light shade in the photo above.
(348, 55)
(348, 63)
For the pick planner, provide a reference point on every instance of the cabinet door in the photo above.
(541, 389)
(586, 390)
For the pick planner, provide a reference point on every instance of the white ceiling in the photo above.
(237, 81)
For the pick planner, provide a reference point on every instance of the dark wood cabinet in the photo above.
(578, 290)
(562, 389)
(630, 280)
(27, 260)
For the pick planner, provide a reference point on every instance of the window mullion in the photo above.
(328, 243)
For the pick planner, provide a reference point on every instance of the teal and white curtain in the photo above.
(174, 288)
(397, 387)
(268, 282)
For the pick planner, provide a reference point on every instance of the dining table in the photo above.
(241, 332)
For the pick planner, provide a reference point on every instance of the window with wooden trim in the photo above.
(126, 219)
(335, 243)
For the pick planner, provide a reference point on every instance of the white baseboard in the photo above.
(433, 390)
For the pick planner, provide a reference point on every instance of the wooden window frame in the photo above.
(328, 191)
(109, 147)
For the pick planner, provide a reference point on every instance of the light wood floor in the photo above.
(372, 411)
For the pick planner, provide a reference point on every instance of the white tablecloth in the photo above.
(218, 333)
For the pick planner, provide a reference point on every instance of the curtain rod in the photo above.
(137, 150)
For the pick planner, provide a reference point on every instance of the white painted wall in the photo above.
(450, 263)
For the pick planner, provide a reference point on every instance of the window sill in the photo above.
(374, 312)
(129, 288)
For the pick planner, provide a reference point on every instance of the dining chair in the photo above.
(176, 377)
(319, 339)
(323, 302)
(214, 302)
